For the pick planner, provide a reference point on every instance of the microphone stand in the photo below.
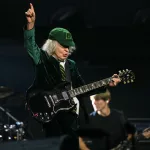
(20, 125)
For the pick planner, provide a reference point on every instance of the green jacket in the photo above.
(47, 67)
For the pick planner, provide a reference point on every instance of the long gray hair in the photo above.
(50, 47)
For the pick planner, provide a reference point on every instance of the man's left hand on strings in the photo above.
(115, 80)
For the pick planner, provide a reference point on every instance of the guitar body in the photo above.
(45, 105)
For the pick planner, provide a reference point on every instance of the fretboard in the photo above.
(89, 87)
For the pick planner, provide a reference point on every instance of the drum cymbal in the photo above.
(5, 92)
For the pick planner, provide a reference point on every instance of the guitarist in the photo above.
(109, 127)
(52, 67)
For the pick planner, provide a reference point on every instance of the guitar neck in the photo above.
(89, 87)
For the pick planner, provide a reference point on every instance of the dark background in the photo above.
(110, 35)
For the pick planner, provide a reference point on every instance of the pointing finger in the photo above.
(31, 6)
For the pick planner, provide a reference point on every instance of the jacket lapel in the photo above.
(68, 71)
(53, 64)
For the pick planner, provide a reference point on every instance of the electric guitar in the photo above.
(45, 105)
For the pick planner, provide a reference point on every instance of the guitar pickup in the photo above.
(65, 95)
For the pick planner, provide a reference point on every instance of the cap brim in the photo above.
(70, 44)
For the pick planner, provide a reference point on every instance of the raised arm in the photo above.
(29, 36)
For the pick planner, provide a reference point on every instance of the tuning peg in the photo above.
(128, 81)
(123, 71)
(132, 80)
(124, 82)
(120, 71)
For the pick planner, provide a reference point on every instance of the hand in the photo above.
(82, 145)
(115, 80)
(30, 14)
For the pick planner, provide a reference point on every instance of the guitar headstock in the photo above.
(126, 76)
